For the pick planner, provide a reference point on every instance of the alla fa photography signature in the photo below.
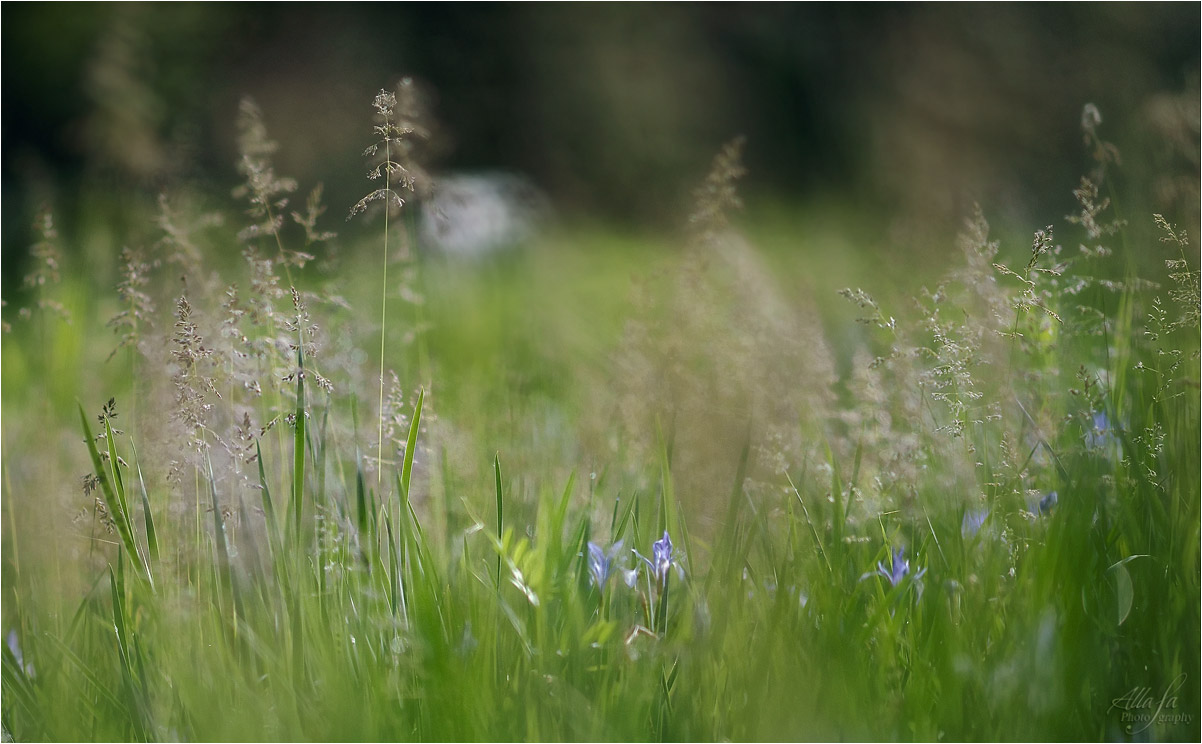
(1142, 707)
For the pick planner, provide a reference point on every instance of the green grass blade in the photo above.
(269, 516)
(395, 590)
(667, 491)
(362, 511)
(411, 445)
(496, 465)
(117, 590)
(810, 523)
(152, 539)
(18, 686)
(88, 673)
(115, 507)
(298, 450)
(135, 708)
(223, 550)
(840, 511)
(619, 530)
(114, 462)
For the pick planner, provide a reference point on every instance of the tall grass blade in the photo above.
(362, 510)
(496, 466)
(112, 502)
(135, 706)
(223, 552)
(152, 539)
(298, 449)
(411, 445)
(269, 516)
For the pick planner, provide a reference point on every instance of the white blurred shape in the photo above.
(472, 215)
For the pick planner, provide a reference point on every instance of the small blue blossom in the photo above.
(601, 562)
(661, 559)
(1102, 434)
(1041, 505)
(972, 522)
(14, 647)
(630, 576)
(900, 568)
(661, 553)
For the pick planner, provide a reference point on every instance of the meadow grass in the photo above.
(561, 505)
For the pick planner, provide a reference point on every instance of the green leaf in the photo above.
(411, 445)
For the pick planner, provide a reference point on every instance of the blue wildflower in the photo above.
(601, 562)
(14, 647)
(1041, 506)
(900, 568)
(1102, 435)
(972, 522)
(661, 553)
(661, 559)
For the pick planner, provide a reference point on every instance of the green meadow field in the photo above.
(275, 468)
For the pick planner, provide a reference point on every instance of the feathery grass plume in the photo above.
(933, 397)
(301, 327)
(266, 192)
(395, 415)
(1186, 292)
(131, 323)
(308, 221)
(265, 292)
(100, 513)
(179, 242)
(1087, 194)
(44, 252)
(979, 253)
(963, 324)
(242, 370)
(885, 424)
(192, 384)
(716, 359)
(384, 156)
(717, 195)
(46, 264)
(1092, 207)
(240, 348)
(1104, 153)
(1030, 296)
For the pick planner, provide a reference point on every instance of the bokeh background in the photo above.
(899, 116)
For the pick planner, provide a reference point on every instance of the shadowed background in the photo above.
(905, 113)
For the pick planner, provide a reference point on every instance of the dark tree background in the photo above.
(906, 112)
